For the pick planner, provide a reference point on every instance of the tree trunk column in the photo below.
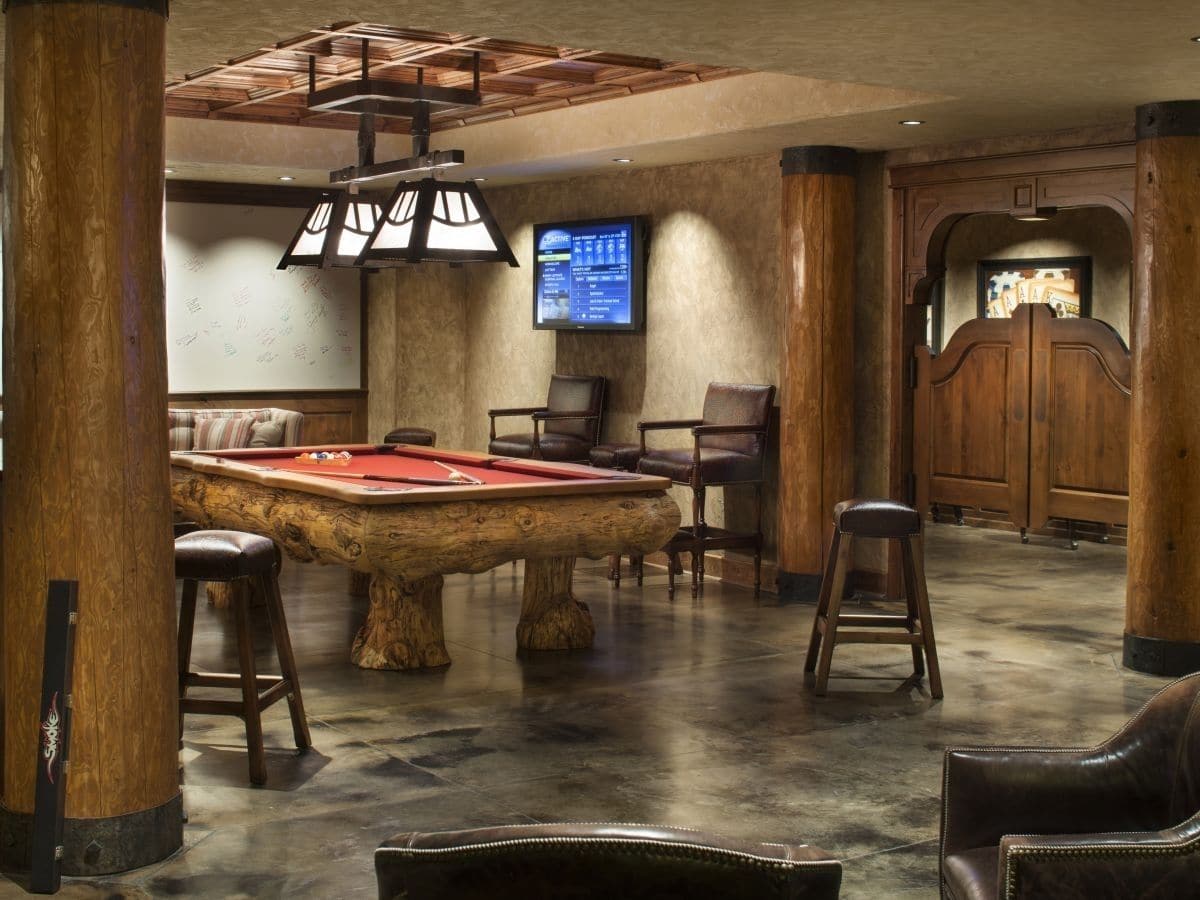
(816, 440)
(86, 465)
(1162, 606)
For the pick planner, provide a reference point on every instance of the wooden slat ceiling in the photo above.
(271, 84)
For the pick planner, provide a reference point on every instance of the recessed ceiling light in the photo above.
(286, 178)
(912, 121)
(478, 178)
(168, 171)
(1196, 39)
(622, 159)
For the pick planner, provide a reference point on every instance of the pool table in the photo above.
(406, 534)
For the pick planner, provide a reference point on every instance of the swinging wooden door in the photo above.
(1027, 416)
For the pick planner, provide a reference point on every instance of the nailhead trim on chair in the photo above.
(1051, 851)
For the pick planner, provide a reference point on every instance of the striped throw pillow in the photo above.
(226, 433)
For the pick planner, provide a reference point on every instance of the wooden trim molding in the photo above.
(162, 7)
(183, 191)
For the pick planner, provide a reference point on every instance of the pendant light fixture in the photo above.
(336, 227)
(424, 220)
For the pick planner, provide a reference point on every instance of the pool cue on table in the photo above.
(406, 479)
(463, 477)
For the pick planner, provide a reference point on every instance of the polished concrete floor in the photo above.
(691, 713)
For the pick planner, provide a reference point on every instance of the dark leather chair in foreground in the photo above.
(599, 862)
(570, 419)
(729, 446)
(1121, 820)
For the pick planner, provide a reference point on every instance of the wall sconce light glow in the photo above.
(912, 121)
(168, 171)
(477, 178)
(622, 159)
(286, 178)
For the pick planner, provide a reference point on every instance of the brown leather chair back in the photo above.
(738, 404)
(599, 862)
(576, 393)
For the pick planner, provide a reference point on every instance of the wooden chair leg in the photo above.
(697, 538)
(614, 569)
(250, 711)
(758, 538)
(914, 624)
(187, 623)
(914, 566)
(287, 661)
(837, 587)
(814, 642)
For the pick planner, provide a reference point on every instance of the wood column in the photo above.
(816, 440)
(1162, 605)
(85, 451)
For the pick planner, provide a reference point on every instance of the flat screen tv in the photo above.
(590, 275)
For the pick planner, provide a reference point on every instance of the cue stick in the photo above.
(435, 482)
(463, 476)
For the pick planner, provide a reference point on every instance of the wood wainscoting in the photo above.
(330, 417)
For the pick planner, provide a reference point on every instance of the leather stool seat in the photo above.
(616, 456)
(423, 437)
(223, 555)
(878, 518)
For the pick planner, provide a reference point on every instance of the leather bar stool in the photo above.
(422, 437)
(894, 522)
(623, 457)
(227, 557)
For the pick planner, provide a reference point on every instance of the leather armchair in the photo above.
(1118, 820)
(564, 430)
(598, 862)
(729, 446)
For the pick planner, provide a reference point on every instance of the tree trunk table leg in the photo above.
(404, 625)
(551, 617)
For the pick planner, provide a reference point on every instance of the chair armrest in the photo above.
(989, 793)
(516, 411)
(1107, 864)
(664, 424)
(705, 430)
(546, 415)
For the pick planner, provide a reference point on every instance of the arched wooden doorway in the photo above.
(929, 200)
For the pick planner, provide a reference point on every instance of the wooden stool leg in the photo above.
(187, 622)
(914, 622)
(914, 567)
(250, 712)
(758, 538)
(814, 642)
(636, 562)
(836, 589)
(697, 538)
(287, 662)
(614, 569)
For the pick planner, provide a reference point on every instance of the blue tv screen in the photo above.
(590, 275)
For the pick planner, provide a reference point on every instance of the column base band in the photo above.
(99, 846)
(798, 588)
(1156, 656)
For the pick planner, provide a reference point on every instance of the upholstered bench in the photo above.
(225, 429)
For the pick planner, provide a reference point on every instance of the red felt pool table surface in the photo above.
(498, 476)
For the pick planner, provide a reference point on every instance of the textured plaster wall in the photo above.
(871, 410)
(416, 351)
(1097, 232)
(711, 311)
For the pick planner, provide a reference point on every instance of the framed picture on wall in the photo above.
(1064, 283)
